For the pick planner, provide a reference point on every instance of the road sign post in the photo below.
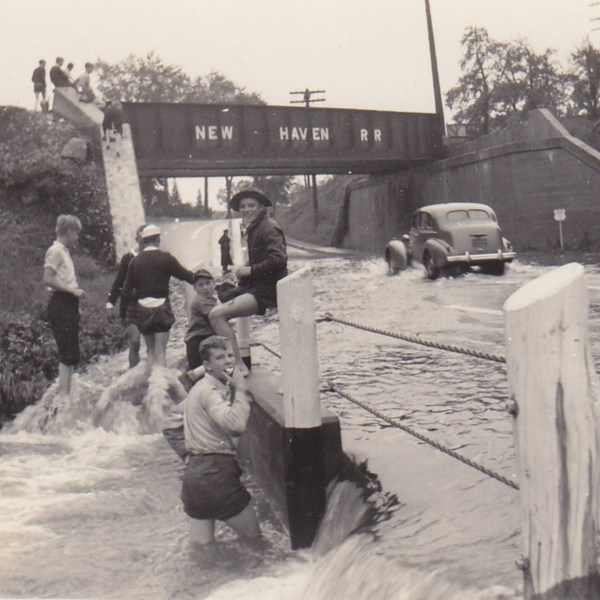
(560, 214)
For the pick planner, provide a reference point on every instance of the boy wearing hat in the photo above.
(200, 327)
(267, 264)
(148, 275)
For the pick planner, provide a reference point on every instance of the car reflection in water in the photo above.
(451, 238)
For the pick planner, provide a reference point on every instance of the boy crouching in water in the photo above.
(216, 411)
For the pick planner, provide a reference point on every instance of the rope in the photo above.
(423, 438)
(416, 339)
(267, 348)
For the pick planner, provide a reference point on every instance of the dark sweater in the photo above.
(149, 273)
(117, 286)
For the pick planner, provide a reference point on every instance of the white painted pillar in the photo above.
(299, 357)
(555, 390)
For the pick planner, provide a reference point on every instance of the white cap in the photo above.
(149, 231)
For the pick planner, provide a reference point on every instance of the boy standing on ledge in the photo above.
(216, 412)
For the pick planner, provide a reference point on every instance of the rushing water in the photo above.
(90, 507)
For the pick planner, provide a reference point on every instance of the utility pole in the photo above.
(306, 100)
(439, 107)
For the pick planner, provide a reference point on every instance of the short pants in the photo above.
(130, 317)
(63, 314)
(212, 488)
(158, 319)
(265, 295)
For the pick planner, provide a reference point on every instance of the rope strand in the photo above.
(415, 339)
(467, 461)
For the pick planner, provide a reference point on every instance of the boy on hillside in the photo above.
(216, 411)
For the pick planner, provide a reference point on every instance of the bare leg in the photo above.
(245, 523)
(150, 351)
(65, 374)
(160, 348)
(242, 306)
(133, 334)
(202, 531)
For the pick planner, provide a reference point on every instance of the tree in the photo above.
(175, 196)
(482, 67)
(503, 79)
(531, 80)
(149, 79)
(585, 79)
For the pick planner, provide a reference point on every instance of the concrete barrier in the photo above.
(278, 456)
(120, 168)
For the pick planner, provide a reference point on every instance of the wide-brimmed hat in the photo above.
(249, 192)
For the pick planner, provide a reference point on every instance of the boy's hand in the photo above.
(78, 293)
(109, 306)
(239, 380)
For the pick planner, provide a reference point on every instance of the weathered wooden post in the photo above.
(301, 405)
(556, 395)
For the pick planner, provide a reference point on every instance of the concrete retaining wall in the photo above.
(524, 173)
(120, 169)
(279, 458)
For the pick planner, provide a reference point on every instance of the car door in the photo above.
(423, 228)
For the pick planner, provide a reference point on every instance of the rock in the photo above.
(76, 148)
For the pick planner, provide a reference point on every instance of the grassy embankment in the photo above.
(36, 185)
(298, 220)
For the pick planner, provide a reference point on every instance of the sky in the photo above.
(365, 54)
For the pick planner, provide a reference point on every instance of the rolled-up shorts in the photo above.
(154, 319)
(63, 314)
(130, 317)
(212, 488)
(265, 295)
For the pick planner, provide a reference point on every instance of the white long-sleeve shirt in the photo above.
(212, 418)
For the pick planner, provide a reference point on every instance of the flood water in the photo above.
(89, 507)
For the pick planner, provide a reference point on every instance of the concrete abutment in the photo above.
(524, 173)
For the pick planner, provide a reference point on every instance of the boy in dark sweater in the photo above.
(148, 276)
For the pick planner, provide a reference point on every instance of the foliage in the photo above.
(276, 187)
(500, 81)
(585, 79)
(149, 79)
(33, 172)
(297, 219)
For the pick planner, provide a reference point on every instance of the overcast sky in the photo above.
(366, 54)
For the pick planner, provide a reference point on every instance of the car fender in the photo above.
(397, 255)
(438, 250)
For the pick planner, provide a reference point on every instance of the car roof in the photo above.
(444, 207)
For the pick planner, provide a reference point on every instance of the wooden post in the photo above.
(301, 403)
(555, 391)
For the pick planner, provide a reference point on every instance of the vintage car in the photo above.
(449, 239)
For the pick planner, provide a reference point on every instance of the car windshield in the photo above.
(466, 215)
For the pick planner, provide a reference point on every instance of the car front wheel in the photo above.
(433, 272)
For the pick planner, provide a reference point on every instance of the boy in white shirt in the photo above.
(63, 307)
(216, 411)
